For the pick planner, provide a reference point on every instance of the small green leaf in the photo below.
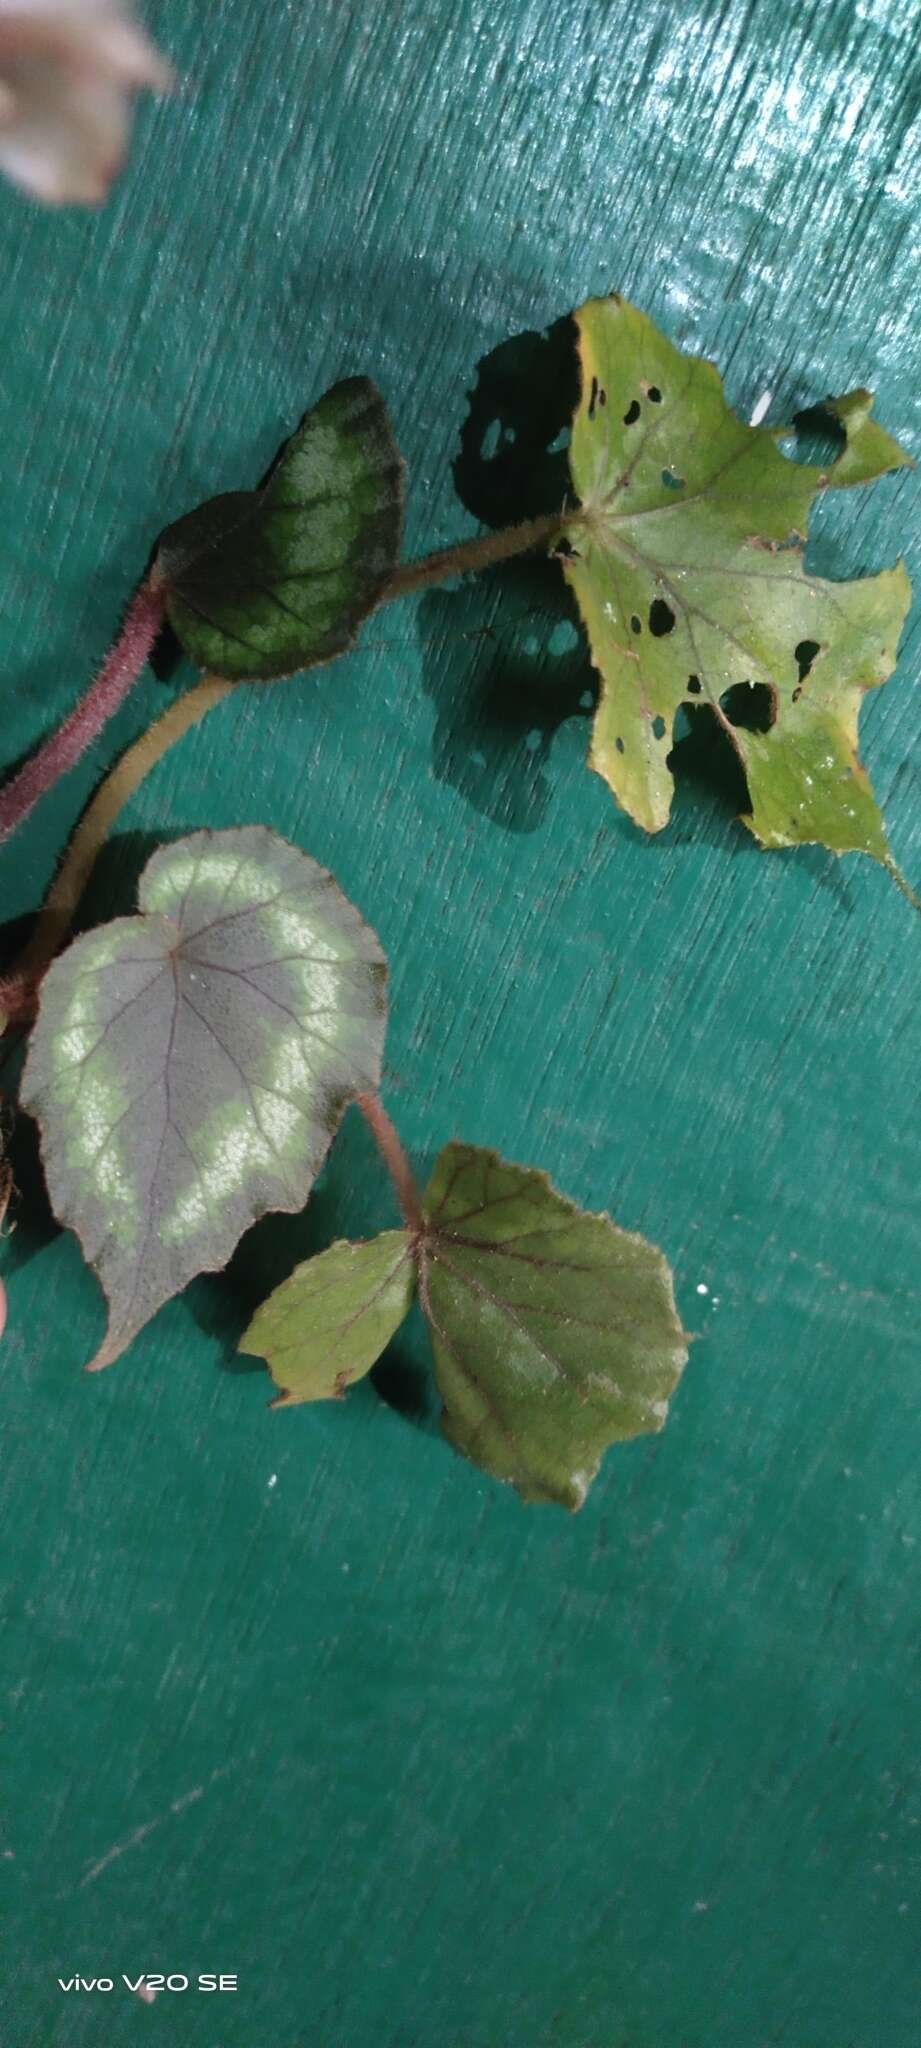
(687, 566)
(554, 1332)
(189, 1066)
(327, 1324)
(262, 583)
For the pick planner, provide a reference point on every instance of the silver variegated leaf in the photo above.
(190, 1065)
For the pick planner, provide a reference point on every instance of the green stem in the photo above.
(470, 556)
(17, 993)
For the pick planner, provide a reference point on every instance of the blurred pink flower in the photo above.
(68, 69)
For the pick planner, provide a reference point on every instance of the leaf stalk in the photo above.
(63, 748)
(469, 557)
(390, 1146)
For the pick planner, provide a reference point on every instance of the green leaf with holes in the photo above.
(687, 565)
(262, 583)
(327, 1324)
(190, 1065)
(554, 1332)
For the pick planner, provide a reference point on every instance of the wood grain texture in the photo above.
(299, 1695)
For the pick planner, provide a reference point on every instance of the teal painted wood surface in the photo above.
(302, 1696)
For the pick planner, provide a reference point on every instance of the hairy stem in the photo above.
(17, 994)
(62, 750)
(390, 1146)
(472, 555)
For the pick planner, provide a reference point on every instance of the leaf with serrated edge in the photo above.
(190, 1065)
(554, 1331)
(688, 571)
(327, 1324)
(262, 583)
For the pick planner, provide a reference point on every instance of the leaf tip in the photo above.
(107, 1354)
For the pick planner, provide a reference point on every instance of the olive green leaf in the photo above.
(190, 1065)
(327, 1324)
(554, 1332)
(687, 565)
(262, 583)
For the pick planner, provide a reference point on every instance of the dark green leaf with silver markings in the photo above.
(555, 1332)
(189, 1065)
(327, 1324)
(263, 583)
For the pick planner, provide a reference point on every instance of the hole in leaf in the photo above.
(694, 686)
(705, 762)
(671, 481)
(654, 395)
(817, 437)
(602, 397)
(805, 653)
(593, 400)
(658, 727)
(632, 413)
(661, 618)
(619, 745)
(497, 436)
(750, 706)
(636, 622)
(564, 637)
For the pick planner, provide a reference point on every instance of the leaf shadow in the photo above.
(495, 726)
(344, 1203)
(112, 890)
(403, 1378)
(711, 798)
(496, 719)
(31, 1224)
(223, 1304)
(14, 935)
(711, 793)
(512, 461)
